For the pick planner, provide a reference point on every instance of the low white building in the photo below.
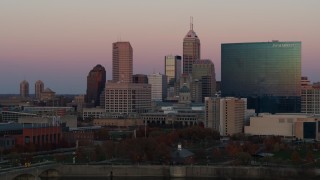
(288, 125)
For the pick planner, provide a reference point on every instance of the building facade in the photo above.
(204, 80)
(127, 98)
(294, 125)
(191, 50)
(38, 89)
(122, 55)
(96, 81)
(310, 97)
(158, 84)
(225, 115)
(266, 73)
(24, 89)
(172, 68)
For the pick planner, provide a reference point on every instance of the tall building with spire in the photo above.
(96, 81)
(122, 62)
(38, 89)
(24, 89)
(191, 49)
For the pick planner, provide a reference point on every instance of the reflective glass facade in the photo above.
(267, 73)
(172, 68)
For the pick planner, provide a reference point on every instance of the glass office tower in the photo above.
(267, 73)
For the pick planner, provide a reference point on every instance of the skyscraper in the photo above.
(203, 75)
(38, 89)
(172, 66)
(24, 89)
(96, 81)
(266, 73)
(191, 49)
(158, 84)
(122, 62)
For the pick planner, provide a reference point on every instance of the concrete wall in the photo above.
(188, 171)
(229, 172)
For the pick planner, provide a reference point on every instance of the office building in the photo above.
(24, 89)
(122, 62)
(204, 80)
(191, 49)
(158, 84)
(266, 73)
(310, 97)
(226, 115)
(127, 98)
(38, 89)
(172, 68)
(96, 81)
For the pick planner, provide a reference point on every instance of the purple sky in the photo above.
(60, 41)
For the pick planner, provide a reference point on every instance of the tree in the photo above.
(244, 158)
(295, 157)
(310, 157)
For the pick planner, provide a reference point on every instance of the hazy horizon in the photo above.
(59, 42)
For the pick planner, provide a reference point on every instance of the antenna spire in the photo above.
(191, 23)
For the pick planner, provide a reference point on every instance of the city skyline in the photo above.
(58, 42)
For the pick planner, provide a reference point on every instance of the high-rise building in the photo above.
(204, 80)
(140, 78)
(191, 49)
(158, 84)
(310, 97)
(122, 62)
(24, 89)
(225, 115)
(96, 81)
(172, 68)
(38, 89)
(127, 98)
(266, 73)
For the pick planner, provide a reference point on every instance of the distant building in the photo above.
(191, 50)
(185, 95)
(96, 81)
(118, 122)
(158, 84)
(93, 113)
(122, 57)
(310, 97)
(127, 98)
(172, 69)
(37, 134)
(204, 80)
(140, 78)
(47, 95)
(24, 89)
(226, 115)
(292, 125)
(38, 89)
(49, 111)
(266, 73)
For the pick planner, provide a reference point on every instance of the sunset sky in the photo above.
(60, 41)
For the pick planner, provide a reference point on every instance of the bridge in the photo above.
(30, 173)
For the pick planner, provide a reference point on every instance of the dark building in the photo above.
(96, 81)
(266, 73)
(140, 78)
